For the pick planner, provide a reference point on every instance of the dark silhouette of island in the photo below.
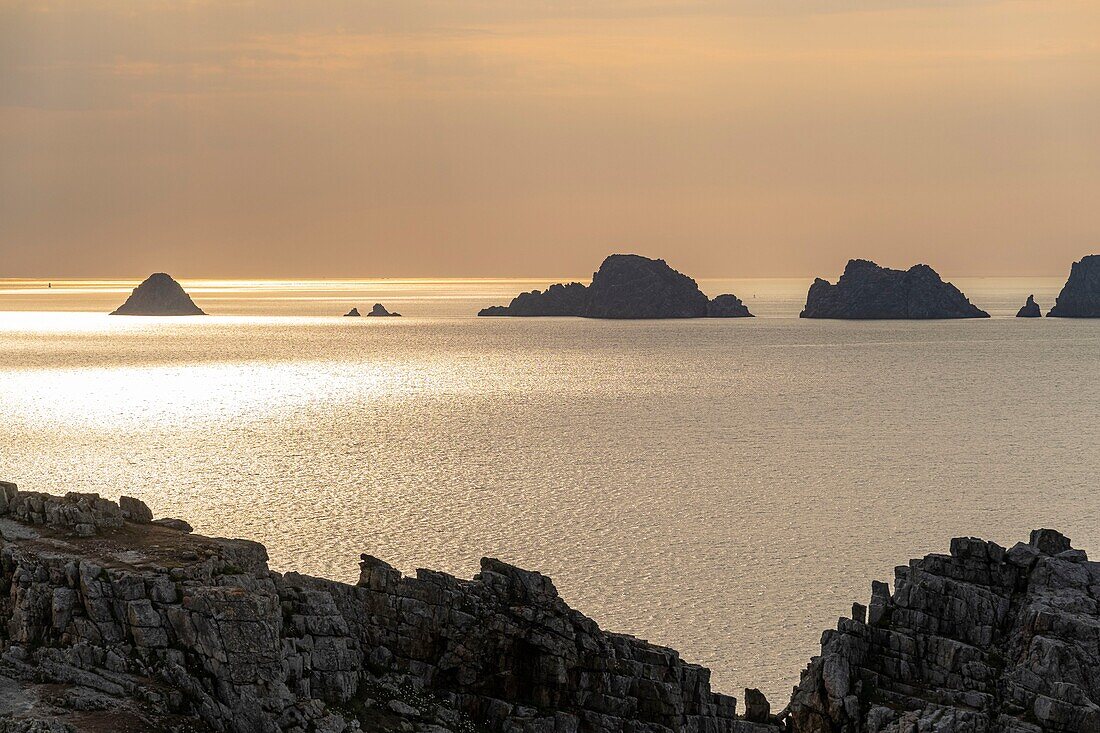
(353, 313)
(380, 310)
(1080, 296)
(158, 295)
(626, 286)
(1030, 309)
(868, 291)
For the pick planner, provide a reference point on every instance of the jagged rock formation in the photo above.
(556, 300)
(353, 313)
(1080, 296)
(1030, 309)
(111, 622)
(380, 310)
(983, 639)
(625, 286)
(158, 295)
(727, 306)
(868, 291)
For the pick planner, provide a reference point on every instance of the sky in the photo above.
(496, 138)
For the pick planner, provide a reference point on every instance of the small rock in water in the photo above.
(1030, 309)
(353, 313)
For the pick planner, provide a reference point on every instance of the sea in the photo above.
(724, 487)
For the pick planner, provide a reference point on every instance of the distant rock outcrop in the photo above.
(158, 295)
(625, 286)
(380, 310)
(1080, 296)
(868, 291)
(632, 286)
(1030, 309)
(353, 313)
(556, 300)
(727, 306)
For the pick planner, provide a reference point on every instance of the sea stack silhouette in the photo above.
(868, 291)
(626, 286)
(1030, 309)
(380, 310)
(159, 295)
(353, 313)
(1080, 296)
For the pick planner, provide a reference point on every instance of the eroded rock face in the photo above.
(158, 295)
(868, 291)
(556, 300)
(625, 286)
(1080, 296)
(983, 639)
(1030, 309)
(154, 628)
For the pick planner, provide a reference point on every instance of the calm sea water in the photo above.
(724, 487)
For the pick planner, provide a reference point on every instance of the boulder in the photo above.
(727, 306)
(380, 310)
(1080, 296)
(158, 295)
(135, 510)
(1030, 309)
(353, 313)
(868, 291)
(757, 708)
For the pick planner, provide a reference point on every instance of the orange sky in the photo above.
(524, 137)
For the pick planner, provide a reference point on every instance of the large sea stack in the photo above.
(625, 286)
(868, 291)
(113, 621)
(1080, 296)
(158, 295)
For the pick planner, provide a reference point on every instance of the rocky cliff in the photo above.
(158, 295)
(1080, 296)
(868, 291)
(625, 286)
(111, 622)
(983, 639)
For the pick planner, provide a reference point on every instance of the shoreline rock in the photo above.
(158, 295)
(353, 313)
(868, 291)
(1080, 296)
(103, 609)
(626, 286)
(1030, 309)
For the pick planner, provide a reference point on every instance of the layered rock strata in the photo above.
(868, 291)
(983, 639)
(112, 622)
